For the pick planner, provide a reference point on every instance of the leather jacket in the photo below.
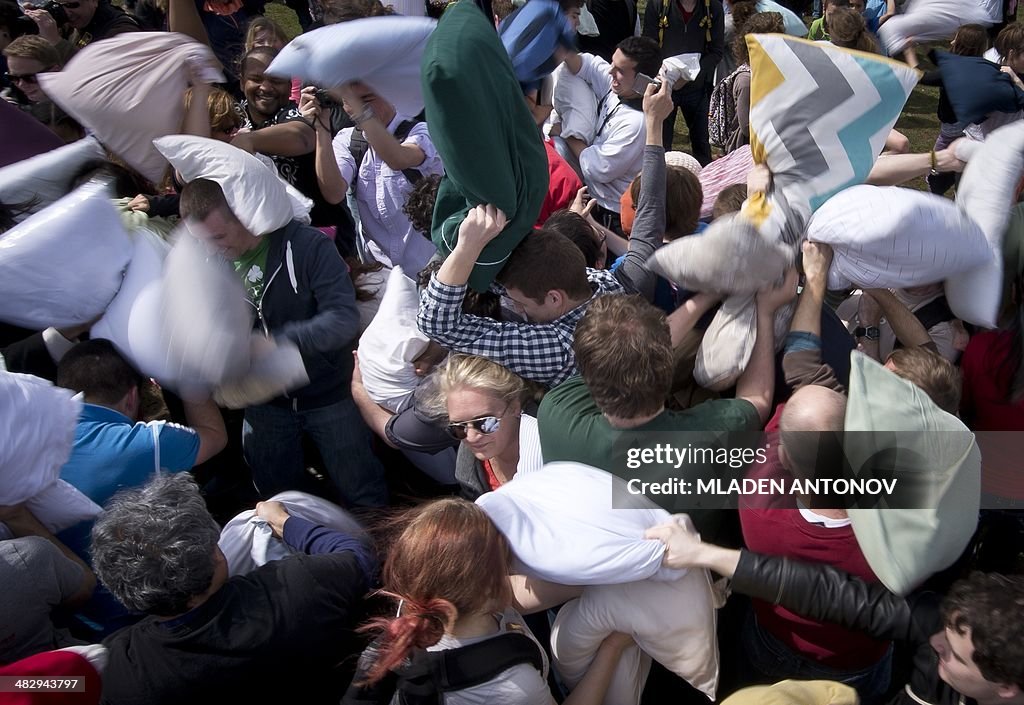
(822, 593)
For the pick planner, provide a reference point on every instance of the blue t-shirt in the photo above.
(111, 453)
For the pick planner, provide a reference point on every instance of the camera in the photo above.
(57, 12)
(325, 99)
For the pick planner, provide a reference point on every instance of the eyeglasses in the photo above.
(485, 425)
(70, 5)
(22, 77)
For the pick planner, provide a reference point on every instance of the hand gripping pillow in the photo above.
(46, 178)
(986, 192)
(22, 136)
(886, 236)
(485, 134)
(145, 74)
(63, 265)
(576, 104)
(938, 471)
(39, 431)
(382, 52)
(248, 543)
(207, 319)
(255, 192)
(673, 622)
(582, 542)
(390, 344)
(146, 267)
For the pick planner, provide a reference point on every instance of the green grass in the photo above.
(285, 17)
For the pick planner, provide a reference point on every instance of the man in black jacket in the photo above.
(966, 647)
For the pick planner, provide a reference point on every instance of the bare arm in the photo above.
(328, 176)
(197, 117)
(683, 319)
(22, 522)
(204, 417)
(375, 416)
(531, 595)
(183, 16)
(395, 154)
(817, 259)
(757, 383)
(895, 169)
(594, 686)
(288, 139)
(909, 331)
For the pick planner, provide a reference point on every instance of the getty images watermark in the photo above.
(692, 471)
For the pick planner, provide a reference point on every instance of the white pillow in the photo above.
(886, 236)
(39, 431)
(248, 543)
(582, 542)
(382, 52)
(47, 177)
(61, 505)
(145, 75)
(576, 104)
(148, 253)
(390, 344)
(63, 265)
(986, 192)
(673, 622)
(931, 21)
(207, 319)
(256, 194)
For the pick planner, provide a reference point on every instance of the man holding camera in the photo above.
(90, 20)
(613, 159)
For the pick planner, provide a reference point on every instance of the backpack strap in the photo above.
(932, 314)
(431, 673)
(357, 147)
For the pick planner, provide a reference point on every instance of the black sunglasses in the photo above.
(70, 5)
(25, 77)
(485, 425)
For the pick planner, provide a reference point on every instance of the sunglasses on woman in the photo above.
(22, 77)
(485, 425)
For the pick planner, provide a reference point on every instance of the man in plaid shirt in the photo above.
(546, 279)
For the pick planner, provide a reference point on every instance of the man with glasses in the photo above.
(27, 57)
(92, 20)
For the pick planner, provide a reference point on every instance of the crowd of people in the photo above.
(476, 293)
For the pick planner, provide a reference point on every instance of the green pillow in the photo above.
(938, 463)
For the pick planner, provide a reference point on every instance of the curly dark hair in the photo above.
(992, 607)
(419, 206)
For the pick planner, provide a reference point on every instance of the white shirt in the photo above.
(380, 194)
(616, 156)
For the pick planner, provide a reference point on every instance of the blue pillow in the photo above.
(976, 87)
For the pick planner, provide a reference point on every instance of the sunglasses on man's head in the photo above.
(485, 425)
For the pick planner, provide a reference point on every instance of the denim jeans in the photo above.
(774, 661)
(272, 443)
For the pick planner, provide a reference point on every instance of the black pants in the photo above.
(694, 102)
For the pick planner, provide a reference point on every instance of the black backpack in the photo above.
(430, 674)
(357, 146)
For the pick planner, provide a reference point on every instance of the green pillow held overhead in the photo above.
(485, 134)
(938, 463)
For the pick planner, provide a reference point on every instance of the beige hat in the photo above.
(795, 693)
(684, 160)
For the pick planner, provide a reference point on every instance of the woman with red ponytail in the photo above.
(448, 575)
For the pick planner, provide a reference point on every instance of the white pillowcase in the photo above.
(672, 622)
(64, 265)
(576, 104)
(986, 192)
(255, 192)
(248, 543)
(47, 177)
(582, 542)
(886, 236)
(390, 344)
(145, 75)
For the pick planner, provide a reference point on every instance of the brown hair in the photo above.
(933, 374)
(546, 261)
(449, 561)
(224, 111)
(1010, 38)
(502, 8)
(337, 11)
(624, 352)
(970, 40)
(264, 24)
(730, 200)
(32, 46)
(200, 198)
(576, 228)
(848, 30)
(758, 23)
(419, 205)
(683, 198)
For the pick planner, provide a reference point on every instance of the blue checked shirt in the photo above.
(541, 352)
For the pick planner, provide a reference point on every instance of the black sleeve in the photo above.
(30, 356)
(164, 206)
(380, 693)
(825, 594)
(410, 431)
(931, 78)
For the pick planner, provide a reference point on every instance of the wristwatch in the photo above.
(869, 333)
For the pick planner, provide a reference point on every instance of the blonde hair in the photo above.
(264, 24)
(224, 113)
(474, 372)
